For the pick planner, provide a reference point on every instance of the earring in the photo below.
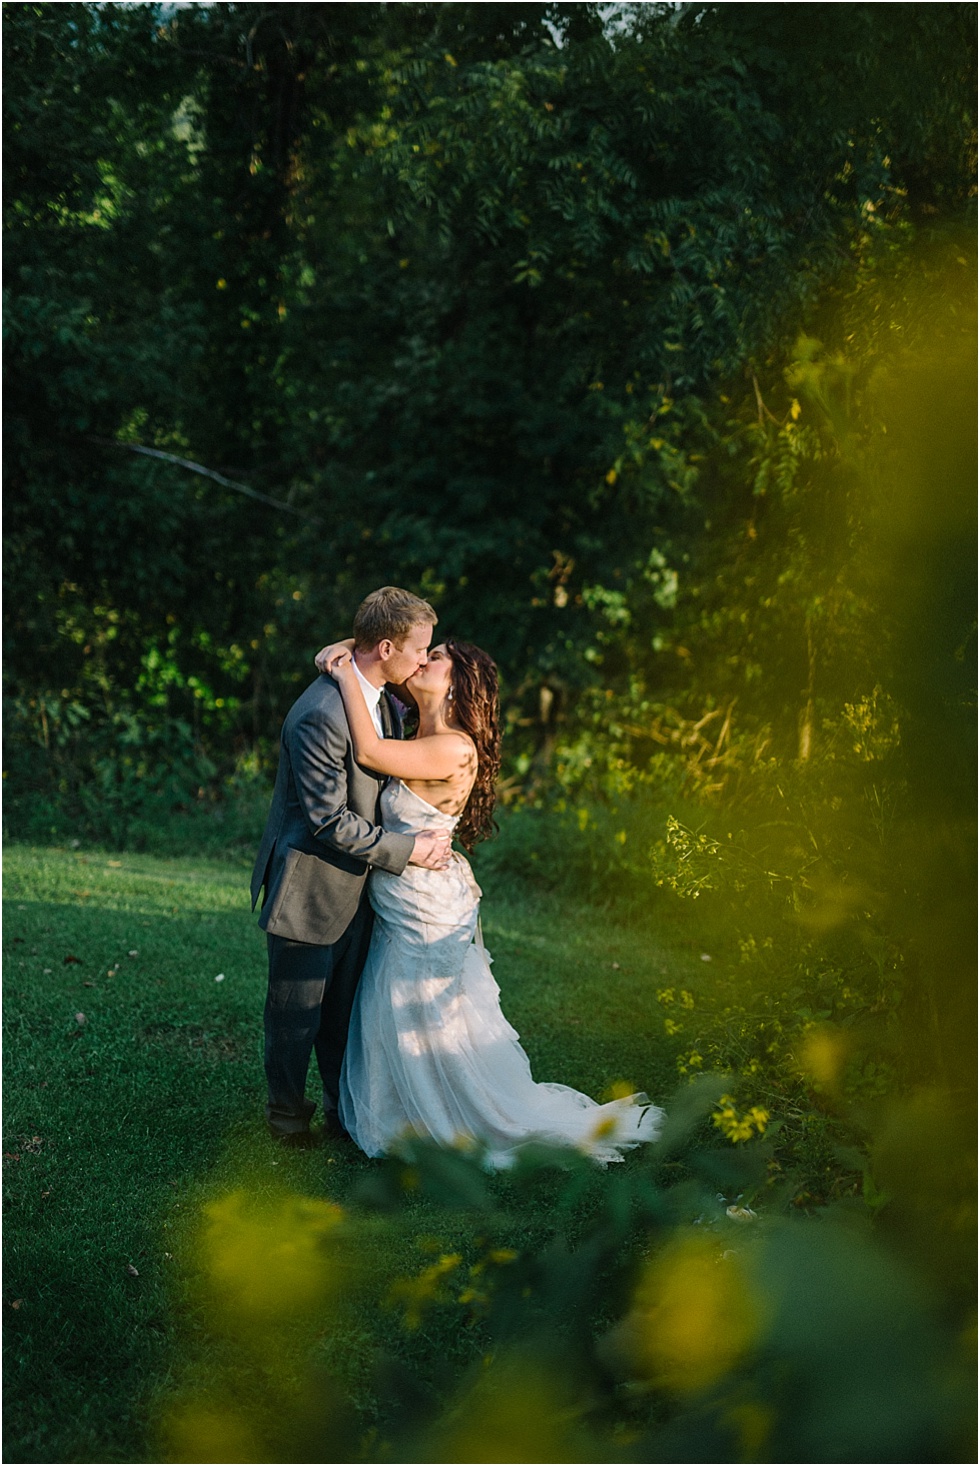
(449, 695)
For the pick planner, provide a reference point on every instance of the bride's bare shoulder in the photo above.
(451, 738)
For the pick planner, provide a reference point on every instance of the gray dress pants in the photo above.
(307, 1010)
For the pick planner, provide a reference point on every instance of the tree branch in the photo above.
(760, 404)
(218, 478)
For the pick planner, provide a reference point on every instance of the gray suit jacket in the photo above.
(322, 833)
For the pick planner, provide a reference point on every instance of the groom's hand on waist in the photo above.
(431, 849)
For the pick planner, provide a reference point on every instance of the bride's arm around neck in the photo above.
(439, 756)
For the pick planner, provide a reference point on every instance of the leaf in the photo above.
(133, 1272)
(80, 1019)
(70, 957)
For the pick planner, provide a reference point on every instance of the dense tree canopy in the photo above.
(517, 305)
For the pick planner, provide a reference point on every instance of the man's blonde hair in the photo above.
(389, 614)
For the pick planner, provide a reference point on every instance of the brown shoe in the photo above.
(294, 1139)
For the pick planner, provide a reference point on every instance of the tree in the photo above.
(451, 292)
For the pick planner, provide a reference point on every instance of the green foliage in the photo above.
(812, 777)
(643, 345)
(457, 298)
(654, 1318)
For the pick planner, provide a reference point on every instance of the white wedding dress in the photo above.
(430, 1053)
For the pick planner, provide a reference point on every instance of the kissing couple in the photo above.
(372, 918)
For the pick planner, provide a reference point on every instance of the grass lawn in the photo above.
(134, 1090)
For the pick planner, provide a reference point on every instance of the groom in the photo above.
(320, 839)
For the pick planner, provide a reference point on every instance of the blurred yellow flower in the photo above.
(753, 1424)
(694, 1316)
(415, 1295)
(823, 1054)
(517, 1410)
(619, 1089)
(205, 1432)
(736, 1127)
(266, 1259)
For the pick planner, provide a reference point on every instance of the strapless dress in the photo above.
(430, 1052)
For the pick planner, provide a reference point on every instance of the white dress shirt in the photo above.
(372, 696)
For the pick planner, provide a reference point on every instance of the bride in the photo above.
(430, 1051)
